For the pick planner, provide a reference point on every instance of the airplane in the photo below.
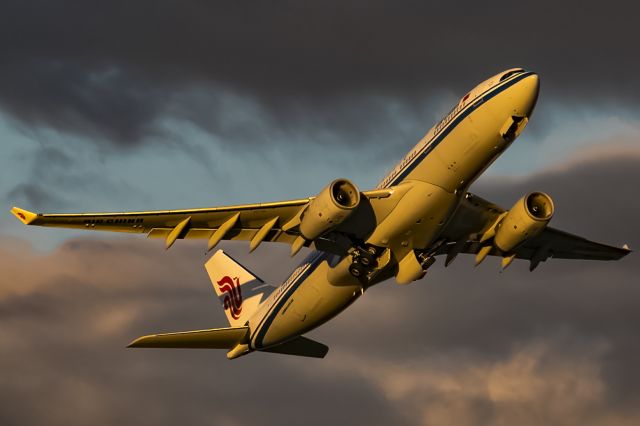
(421, 210)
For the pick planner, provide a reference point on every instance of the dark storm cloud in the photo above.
(110, 71)
(72, 297)
(32, 194)
(602, 177)
(464, 346)
(97, 100)
(37, 190)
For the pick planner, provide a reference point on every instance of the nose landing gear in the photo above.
(513, 127)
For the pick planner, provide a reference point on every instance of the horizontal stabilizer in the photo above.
(217, 338)
(300, 346)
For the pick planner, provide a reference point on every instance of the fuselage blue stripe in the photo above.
(262, 329)
(430, 146)
(275, 302)
(287, 285)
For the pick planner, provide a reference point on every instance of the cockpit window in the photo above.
(510, 73)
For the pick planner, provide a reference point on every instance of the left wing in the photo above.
(475, 217)
(253, 222)
(275, 222)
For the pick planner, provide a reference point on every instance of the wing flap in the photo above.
(275, 235)
(217, 338)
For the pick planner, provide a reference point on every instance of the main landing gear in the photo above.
(364, 260)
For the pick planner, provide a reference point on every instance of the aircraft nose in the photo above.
(522, 99)
(529, 89)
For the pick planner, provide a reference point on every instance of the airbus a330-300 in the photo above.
(420, 211)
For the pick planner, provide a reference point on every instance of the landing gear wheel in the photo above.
(357, 270)
(372, 251)
(368, 257)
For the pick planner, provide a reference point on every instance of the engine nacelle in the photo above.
(333, 205)
(526, 219)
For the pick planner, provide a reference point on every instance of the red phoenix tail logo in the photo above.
(233, 297)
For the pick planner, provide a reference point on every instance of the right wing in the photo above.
(563, 245)
(550, 243)
(476, 215)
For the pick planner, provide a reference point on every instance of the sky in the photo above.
(159, 104)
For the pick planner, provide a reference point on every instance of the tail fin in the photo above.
(238, 289)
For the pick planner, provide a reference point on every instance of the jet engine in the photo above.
(526, 219)
(333, 205)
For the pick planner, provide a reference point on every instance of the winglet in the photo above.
(25, 216)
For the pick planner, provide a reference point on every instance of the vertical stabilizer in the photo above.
(239, 291)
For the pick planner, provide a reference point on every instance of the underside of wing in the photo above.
(472, 231)
(562, 245)
(552, 243)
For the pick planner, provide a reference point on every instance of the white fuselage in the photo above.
(439, 169)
